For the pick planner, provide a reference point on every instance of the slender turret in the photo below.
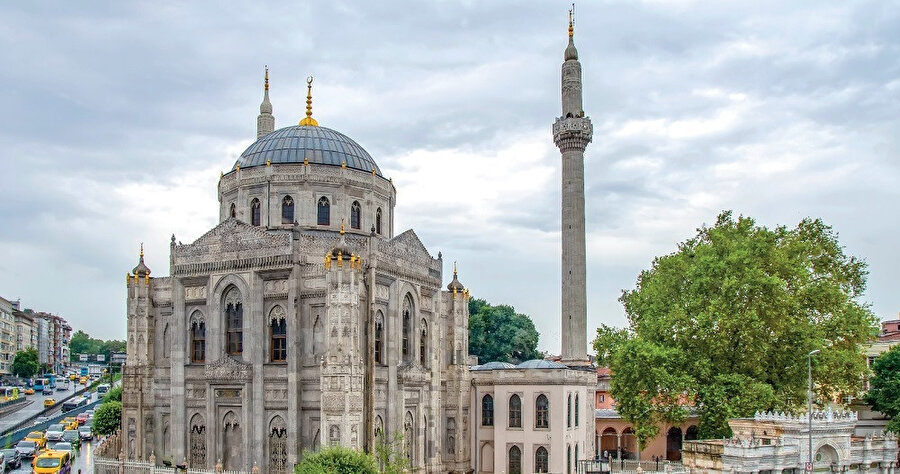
(571, 133)
(265, 123)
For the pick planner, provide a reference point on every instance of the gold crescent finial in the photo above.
(454, 268)
(142, 250)
(267, 77)
(309, 120)
(572, 21)
(342, 226)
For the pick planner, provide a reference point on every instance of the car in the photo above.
(49, 402)
(29, 391)
(12, 457)
(37, 438)
(47, 391)
(54, 432)
(65, 447)
(83, 381)
(27, 449)
(71, 436)
(86, 432)
(70, 423)
(82, 417)
(72, 377)
(52, 462)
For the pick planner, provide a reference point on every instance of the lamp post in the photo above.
(809, 397)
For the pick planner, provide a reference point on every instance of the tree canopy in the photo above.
(498, 333)
(336, 460)
(107, 418)
(884, 391)
(25, 363)
(725, 323)
(82, 343)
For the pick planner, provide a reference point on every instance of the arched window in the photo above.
(576, 410)
(541, 412)
(233, 211)
(324, 211)
(287, 210)
(568, 459)
(198, 341)
(515, 412)
(409, 439)
(576, 455)
(423, 344)
(234, 322)
(451, 435)
(254, 211)
(514, 466)
(569, 412)
(277, 446)
(487, 411)
(355, 215)
(278, 334)
(407, 326)
(379, 339)
(541, 460)
(378, 221)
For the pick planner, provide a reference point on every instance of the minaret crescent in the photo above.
(572, 132)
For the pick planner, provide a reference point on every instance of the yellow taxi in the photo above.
(52, 462)
(72, 377)
(69, 423)
(83, 381)
(49, 402)
(38, 438)
(29, 391)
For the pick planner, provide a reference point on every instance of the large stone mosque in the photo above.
(303, 319)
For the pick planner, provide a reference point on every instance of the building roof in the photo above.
(540, 364)
(318, 145)
(494, 365)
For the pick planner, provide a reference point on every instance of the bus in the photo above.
(102, 389)
(74, 403)
(83, 372)
(39, 384)
(8, 393)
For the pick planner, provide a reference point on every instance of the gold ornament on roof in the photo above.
(342, 226)
(572, 21)
(267, 77)
(309, 120)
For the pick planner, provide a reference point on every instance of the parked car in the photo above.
(27, 449)
(12, 457)
(54, 432)
(86, 432)
(71, 436)
(49, 402)
(37, 438)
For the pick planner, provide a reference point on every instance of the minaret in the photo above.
(265, 123)
(571, 133)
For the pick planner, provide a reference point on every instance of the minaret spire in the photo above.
(571, 133)
(265, 123)
(309, 120)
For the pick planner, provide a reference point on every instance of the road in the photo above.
(33, 408)
(83, 461)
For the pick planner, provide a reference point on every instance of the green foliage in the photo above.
(498, 333)
(107, 418)
(25, 363)
(728, 320)
(113, 395)
(82, 343)
(336, 460)
(389, 454)
(884, 391)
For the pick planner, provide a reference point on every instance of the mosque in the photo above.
(304, 319)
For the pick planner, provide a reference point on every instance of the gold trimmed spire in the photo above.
(309, 120)
(142, 250)
(572, 21)
(267, 78)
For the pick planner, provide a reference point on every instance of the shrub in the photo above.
(336, 460)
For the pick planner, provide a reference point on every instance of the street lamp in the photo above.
(809, 397)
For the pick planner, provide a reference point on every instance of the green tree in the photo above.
(25, 363)
(113, 395)
(884, 391)
(389, 455)
(498, 333)
(725, 323)
(81, 343)
(107, 418)
(336, 460)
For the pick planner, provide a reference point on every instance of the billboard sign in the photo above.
(82, 357)
(101, 357)
(117, 358)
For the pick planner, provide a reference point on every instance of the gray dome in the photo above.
(320, 145)
(494, 365)
(540, 364)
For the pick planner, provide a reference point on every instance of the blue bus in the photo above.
(52, 380)
(83, 372)
(39, 384)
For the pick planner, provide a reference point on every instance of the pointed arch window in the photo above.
(569, 412)
(198, 341)
(323, 211)
(568, 459)
(233, 211)
(423, 344)
(407, 327)
(542, 412)
(515, 412)
(514, 465)
(541, 460)
(278, 335)
(287, 210)
(254, 212)
(355, 215)
(577, 421)
(234, 323)
(487, 411)
(378, 221)
(379, 339)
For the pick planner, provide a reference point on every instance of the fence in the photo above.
(110, 459)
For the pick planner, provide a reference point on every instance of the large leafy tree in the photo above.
(726, 322)
(884, 392)
(107, 418)
(25, 363)
(82, 343)
(498, 333)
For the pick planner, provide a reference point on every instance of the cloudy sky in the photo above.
(118, 117)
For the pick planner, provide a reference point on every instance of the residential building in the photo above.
(7, 335)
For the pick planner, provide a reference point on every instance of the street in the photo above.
(81, 463)
(33, 408)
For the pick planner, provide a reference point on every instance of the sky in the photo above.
(118, 118)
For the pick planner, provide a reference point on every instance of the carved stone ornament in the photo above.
(228, 369)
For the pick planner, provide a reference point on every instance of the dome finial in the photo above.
(141, 269)
(309, 120)
(142, 250)
(267, 78)
(571, 53)
(572, 21)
